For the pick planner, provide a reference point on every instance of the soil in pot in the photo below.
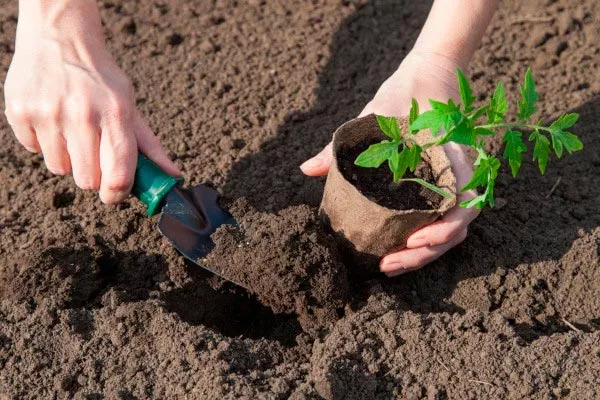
(377, 185)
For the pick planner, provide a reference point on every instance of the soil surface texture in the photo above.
(287, 261)
(95, 304)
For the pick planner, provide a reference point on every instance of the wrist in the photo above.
(71, 29)
(77, 20)
(424, 69)
(447, 56)
(454, 28)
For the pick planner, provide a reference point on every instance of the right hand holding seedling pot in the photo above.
(390, 177)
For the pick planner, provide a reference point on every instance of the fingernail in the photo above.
(415, 242)
(391, 267)
(313, 163)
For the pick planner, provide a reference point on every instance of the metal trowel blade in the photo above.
(189, 217)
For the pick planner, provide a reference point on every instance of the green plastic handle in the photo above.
(151, 184)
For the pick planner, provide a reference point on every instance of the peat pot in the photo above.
(365, 229)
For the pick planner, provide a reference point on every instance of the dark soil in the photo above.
(377, 183)
(288, 262)
(95, 304)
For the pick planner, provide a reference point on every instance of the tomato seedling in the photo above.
(460, 125)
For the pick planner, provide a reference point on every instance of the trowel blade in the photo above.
(189, 217)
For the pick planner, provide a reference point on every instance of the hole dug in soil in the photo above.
(286, 260)
(229, 309)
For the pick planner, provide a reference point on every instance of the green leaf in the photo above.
(394, 164)
(562, 138)
(481, 154)
(480, 201)
(376, 154)
(478, 113)
(450, 112)
(477, 202)
(486, 171)
(483, 131)
(463, 133)
(479, 178)
(441, 115)
(413, 114)
(430, 186)
(514, 148)
(498, 105)
(428, 120)
(400, 164)
(389, 126)
(528, 97)
(541, 150)
(414, 156)
(466, 93)
(565, 121)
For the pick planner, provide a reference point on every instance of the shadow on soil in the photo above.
(228, 309)
(533, 226)
(86, 278)
(79, 277)
(360, 61)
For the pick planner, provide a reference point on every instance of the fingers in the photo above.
(54, 148)
(118, 158)
(444, 230)
(411, 259)
(26, 136)
(21, 126)
(458, 218)
(83, 144)
(319, 164)
(151, 147)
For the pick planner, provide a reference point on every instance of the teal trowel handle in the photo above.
(151, 184)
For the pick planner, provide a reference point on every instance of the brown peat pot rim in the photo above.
(445, 204)
(359, 223)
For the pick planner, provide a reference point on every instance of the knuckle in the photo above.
(445, 236)
(119, 183)
(16, 112)
(88, 184)
(84, 112)
(48, 110)
(80, 109)
(113, 197)
(462, 235)
(118, 106)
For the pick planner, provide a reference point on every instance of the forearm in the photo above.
(454, 28)
(73, 24)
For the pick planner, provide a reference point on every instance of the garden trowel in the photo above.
(188, 216)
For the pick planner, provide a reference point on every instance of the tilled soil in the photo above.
(95, 304)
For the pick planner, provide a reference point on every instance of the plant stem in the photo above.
(435, 142)
(513, 125)
(440, 139)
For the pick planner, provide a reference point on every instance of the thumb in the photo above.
(319, 164)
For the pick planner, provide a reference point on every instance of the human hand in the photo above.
(66, 97)
(421, 76)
